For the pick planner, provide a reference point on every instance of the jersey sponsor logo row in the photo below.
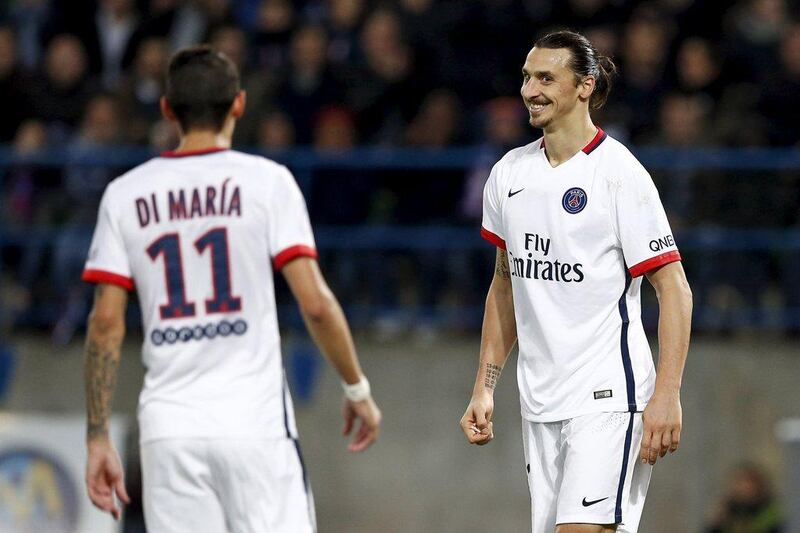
(532, 268)
(198, 332)
(659, 244)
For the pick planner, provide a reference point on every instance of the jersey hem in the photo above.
(293, 252)
(493, 238)
(281, 437)
(586, 519)
(91, 275)
(654, 262)
(607, 408)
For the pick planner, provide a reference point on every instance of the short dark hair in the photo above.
(586, 61)
(201, 86)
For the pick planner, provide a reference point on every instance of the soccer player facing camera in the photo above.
(577, 222)
(194, 232)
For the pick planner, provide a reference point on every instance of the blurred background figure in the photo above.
(748, 505)
(62, 87)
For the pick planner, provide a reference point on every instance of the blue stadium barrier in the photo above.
(415, 158)
(383, 238)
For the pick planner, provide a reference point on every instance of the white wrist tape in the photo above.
(357, 392)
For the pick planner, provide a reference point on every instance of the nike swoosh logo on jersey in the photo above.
(587, 504)
(510, 194)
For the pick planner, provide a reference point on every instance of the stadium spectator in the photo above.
(14, 86)
(61, 91)
(344, 19)
(276, 131)
(384, 90)
(100, 127)
(582, 14)
(779, 102)
(642, 84)
(21, 183)
(683, 122)
(258, 82)
(438, 123)
(308, 84)
(141, 88)
(274, 27)
(335, 130)
(747, 505)
(29, 19)
(181, 22)
(113, 27)
(699, 68)
(504, 127)
(754, 34)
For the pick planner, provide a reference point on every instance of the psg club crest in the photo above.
(574, 200)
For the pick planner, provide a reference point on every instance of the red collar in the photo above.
(598, 138)
(187, 153)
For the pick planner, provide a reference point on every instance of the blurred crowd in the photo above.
(336, 74)
(432, 73)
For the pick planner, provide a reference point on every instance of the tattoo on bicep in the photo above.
(501, 265)
(101, 380)
(492, 375)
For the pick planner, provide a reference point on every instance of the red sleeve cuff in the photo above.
(103, 276)
(654, 262)
(293, 252)
(492, 238)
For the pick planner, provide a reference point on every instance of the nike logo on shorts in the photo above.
(587, 504)
(510, 194)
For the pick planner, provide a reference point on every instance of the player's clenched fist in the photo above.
(477, 420)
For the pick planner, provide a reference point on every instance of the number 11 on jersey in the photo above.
(177, 307)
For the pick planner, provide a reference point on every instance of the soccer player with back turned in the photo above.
(194, 233)
(577, 222)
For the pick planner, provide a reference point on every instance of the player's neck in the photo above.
(198, 140)
(203, 140)
(567, 139)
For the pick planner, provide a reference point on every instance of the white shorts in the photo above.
(586, 470)
(226, 486)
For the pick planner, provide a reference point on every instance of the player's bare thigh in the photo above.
(586, 528)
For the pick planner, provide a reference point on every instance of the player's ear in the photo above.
(586, 87)
(239, 102)
(166, 110)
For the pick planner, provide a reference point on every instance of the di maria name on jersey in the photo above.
(196, 236)
(578, 238)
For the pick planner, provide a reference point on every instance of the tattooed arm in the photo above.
(105, 332)
(498, 336)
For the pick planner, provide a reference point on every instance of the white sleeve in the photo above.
(290, 234)
(492, 223)
(641, 224)
(108, 260)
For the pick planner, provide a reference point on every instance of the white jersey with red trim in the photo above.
(196, 235)
(578, 237)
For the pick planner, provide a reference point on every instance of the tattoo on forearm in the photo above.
(100, 374)
(501, 265)
(492, 375)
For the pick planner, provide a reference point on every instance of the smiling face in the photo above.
(550, 90)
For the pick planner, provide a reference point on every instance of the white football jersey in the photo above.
(578, 237)
(197, 235)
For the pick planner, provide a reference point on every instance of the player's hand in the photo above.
(477, 420)
(370, 428)
(662, 426)
(105, 479)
